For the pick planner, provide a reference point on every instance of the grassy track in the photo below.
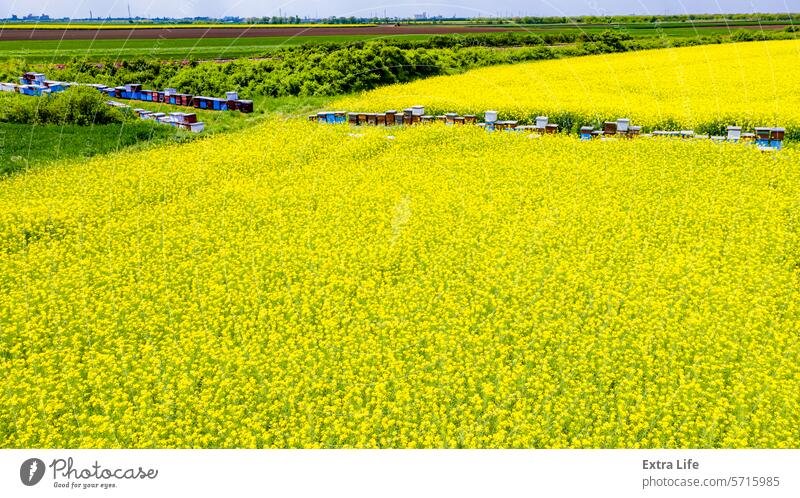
(24, 145)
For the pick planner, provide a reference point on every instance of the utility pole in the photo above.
(130, 17)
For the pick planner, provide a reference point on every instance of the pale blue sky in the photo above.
(343, 8)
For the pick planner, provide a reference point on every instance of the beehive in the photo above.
(490, 116)
(541, 122)
(586, 132)
(610, 128)
(734, 133)
(245, 106)
(623, 124)
(551, 128)
(776, 137)
(417, 110)
(470, 119)
(763, 135)
(352, 118)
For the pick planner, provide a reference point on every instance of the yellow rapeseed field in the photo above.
(321, 286)
(705, 88)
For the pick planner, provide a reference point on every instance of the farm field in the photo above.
(297, 285)
(704, 88)
(169, 49)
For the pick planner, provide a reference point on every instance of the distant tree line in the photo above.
(785, 17)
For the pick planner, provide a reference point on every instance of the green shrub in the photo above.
(77, 105)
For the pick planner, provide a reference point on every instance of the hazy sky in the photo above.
(343, 8)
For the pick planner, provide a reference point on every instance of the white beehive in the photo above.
(490, 116)
(734, 132)
(623, 124)
(232, 95)
(418, 110)
(541, 121)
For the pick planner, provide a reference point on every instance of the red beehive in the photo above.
(245, 106)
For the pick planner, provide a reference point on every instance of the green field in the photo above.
(188, 48)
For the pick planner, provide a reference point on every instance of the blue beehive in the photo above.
(776, 137)
(223, 105)
(763, 136)
(586, 132)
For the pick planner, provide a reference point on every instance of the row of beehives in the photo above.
(416, 115)
(763, 137)
(231, 102)
(36, 84)
(184, 120)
